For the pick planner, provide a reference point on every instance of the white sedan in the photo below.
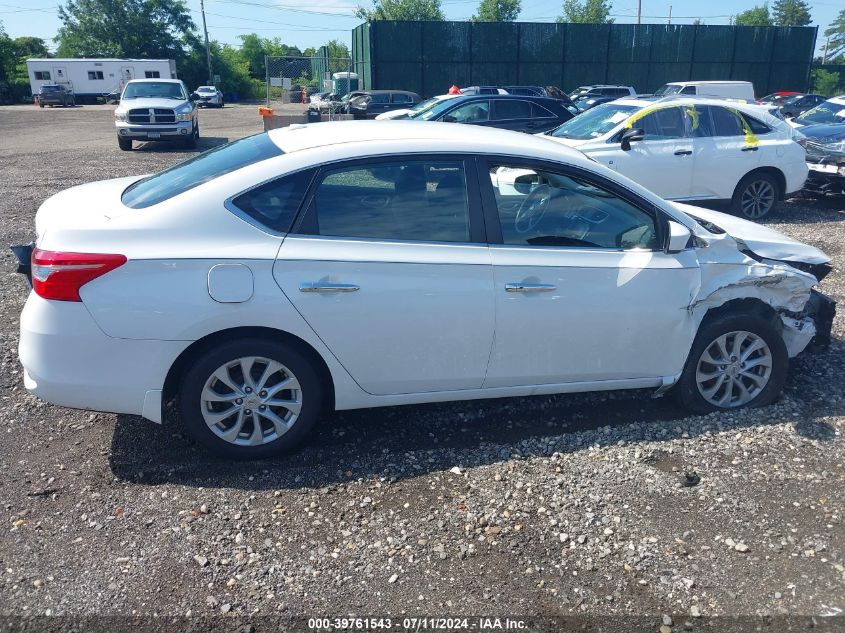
(368, 264)
(694, 148)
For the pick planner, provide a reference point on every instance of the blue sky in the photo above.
(313, 22)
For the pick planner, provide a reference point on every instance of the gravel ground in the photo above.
(567, 505)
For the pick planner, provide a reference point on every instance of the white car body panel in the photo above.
(431, 322)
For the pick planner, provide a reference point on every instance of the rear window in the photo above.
(198, 170)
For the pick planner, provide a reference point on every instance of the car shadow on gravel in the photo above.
(204, 143)
(409, 441)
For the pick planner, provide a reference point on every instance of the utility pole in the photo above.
(639, 11)
(670, 14)
(207, 46)
(826, 44)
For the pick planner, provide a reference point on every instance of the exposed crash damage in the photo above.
(742, 261)
(825, 158)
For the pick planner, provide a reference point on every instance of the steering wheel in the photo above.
(532, 209)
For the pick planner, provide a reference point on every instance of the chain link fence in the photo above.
(291, 80)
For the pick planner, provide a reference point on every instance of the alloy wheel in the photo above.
(757, 199)
(734, 369)
(251, 401)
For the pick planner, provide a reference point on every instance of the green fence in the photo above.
(428, 57)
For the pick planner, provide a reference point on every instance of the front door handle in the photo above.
(522, 287)
(683, 152)
(316, 286)
(749, 149)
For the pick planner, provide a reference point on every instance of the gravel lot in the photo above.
(564, 505)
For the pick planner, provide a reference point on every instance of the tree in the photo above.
(498, 11)
(586, 11)
(125, 28)
(825, 82)
(756, 16)
(402, 10)
(791, 13)
(836, 33)
(27, 47)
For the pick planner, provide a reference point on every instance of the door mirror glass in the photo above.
(629, 136)
(678, 237)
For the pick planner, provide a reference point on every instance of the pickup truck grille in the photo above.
(143, 116)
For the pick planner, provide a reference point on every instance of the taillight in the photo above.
(59, 276)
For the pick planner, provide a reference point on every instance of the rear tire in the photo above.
(754, 379)
(258, 423)
(124, 143)
(755, 196)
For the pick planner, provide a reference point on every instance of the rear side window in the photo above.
(199, 170)
(505, 109)
(398, 97)
(274, 204)
(419, 200)
(539, 112)
(758, 127)
(380, 98)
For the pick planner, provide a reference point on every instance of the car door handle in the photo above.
(316, 286)
(749, 149)
(521, 287)
(683, 152)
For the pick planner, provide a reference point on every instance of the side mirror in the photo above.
(678, 237)
(193, 97)
(449, 119)
(629, 136)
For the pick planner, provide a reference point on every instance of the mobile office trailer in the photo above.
(90, 78)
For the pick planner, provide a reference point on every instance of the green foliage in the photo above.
(836, 33)
(402, 10)
(14, 79)
(825, 82)
(756, 16)
(498, 11)
(791, 13)
(586, 11)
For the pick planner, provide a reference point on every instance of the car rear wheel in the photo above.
(250, 398)
(755, 195)
(124, 143)
(736, 361)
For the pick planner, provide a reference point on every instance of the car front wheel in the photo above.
(736, 361)
(250, 398)
(755, 195)
(124, 143)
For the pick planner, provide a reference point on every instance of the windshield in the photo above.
(669, 89)
(827, 112)
(198, 170)
(425, 105)
(595, 122)
(153, 90)
(206, 89)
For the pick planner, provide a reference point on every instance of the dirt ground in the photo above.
(552, 506)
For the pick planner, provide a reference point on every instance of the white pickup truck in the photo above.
(156, 110)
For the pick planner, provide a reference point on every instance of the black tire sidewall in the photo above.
(686, 390)
(736, 201)
(202, 367)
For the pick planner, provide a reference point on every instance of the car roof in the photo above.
(704, 83)
(377, 92)
(157, 81)
(642, 102)
(392, 137)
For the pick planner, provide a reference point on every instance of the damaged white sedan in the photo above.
(367, 264)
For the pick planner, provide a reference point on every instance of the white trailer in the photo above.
(90, 78)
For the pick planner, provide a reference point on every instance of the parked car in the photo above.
(407, 277)
(601, 94)
(209, 96)
(156, 110)
(825, 146)
(830, 112)
(509, 112)
(55, 94)
(483, 90)
(777, 98)
(694, 149)
(375, 102)
(318, 98)
(603, 90)
(796, 105)
(404, 113)
(724, 89)
(531, 91)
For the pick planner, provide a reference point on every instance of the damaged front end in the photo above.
(826, 161)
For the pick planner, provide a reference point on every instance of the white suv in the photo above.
(156, 110)
(694, 149)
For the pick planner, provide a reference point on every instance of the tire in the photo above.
(124, 143)
(271, 437)
(755, 196)
(40, 105)
(191, 141)
(763, 390)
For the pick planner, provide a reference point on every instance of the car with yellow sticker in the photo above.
(694, 148)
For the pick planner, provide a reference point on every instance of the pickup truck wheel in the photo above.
(125, 144)
(191, 141)
(40, 105)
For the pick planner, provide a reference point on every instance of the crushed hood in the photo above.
(761, 240)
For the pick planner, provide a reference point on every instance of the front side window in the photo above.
(199, 170)
(662, 124)
(538, 207)
(504, 109)
(473, 112)
(274, 204)
(419, 200)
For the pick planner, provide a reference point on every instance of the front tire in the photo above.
(191, 142)
(755, 196)
(736, 361)
(124, 143)
(250, 398)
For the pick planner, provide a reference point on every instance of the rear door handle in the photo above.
(749, 149)
(316, 286)
(683, 152)
(521, 287)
